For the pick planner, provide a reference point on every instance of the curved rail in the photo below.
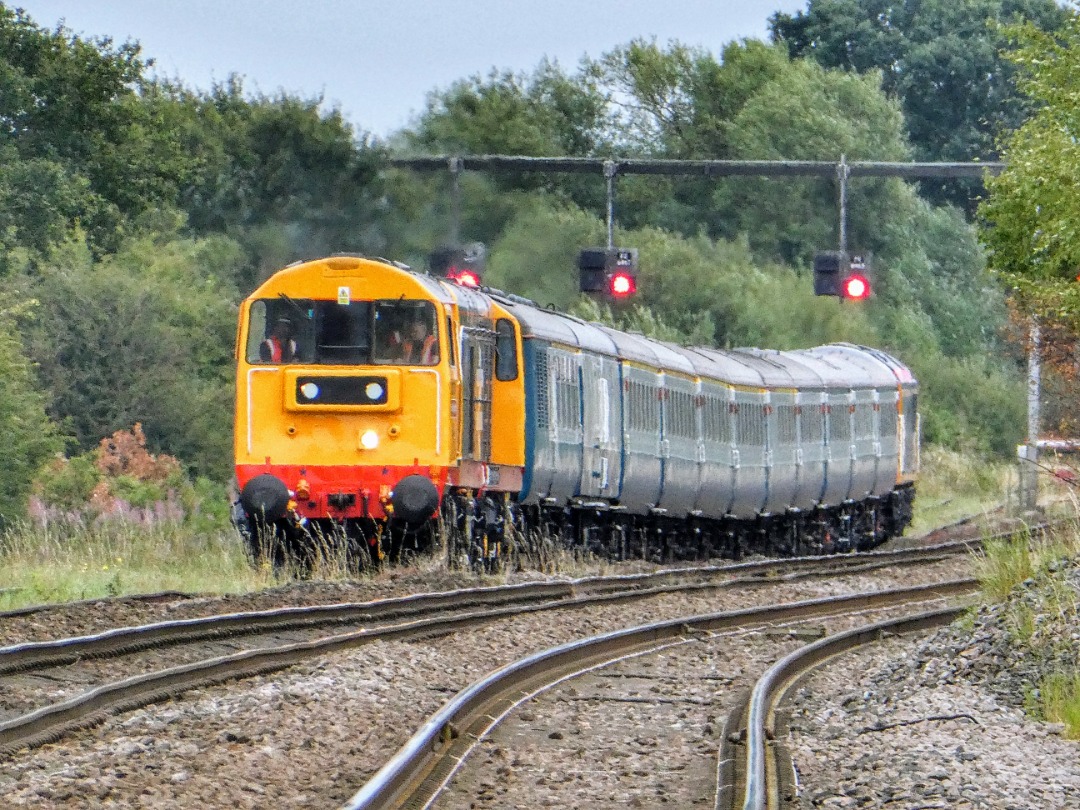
(762, 772)
(51, 722)
(38, 654)
(421, 767)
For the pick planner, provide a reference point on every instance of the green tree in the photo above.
(70, 112)
(809, 113)
(144, 336)
(29, 437)
(678, 101)
(39, 203)
(545, 113)
(942, 58)
(280, 160)
(1032, 211)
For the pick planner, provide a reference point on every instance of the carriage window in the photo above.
(505, 351)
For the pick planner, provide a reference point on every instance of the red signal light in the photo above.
(856, 287)
(466, 278)
(622, 284)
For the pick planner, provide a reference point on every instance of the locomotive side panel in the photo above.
(508, 397)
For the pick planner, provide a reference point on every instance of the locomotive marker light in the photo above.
(462, 264)
(608, 271)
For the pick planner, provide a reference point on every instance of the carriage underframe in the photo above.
(488, 531)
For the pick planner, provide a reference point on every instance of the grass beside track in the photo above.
(83, 559)
(64, 563)
(1032, 594)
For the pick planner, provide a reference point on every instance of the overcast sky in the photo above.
(377, 59)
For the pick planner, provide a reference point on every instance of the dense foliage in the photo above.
(1033, 210)
(136, 213)
(942, 58)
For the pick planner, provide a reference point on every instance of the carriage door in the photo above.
(477, 370)
(600, 463)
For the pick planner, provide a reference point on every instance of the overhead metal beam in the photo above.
(691, 168)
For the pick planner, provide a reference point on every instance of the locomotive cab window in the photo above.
(332, 333)
(280, 331)
(406, 333)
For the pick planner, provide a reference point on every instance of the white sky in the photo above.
(377, 59)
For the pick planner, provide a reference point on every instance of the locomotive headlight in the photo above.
(373, 391)
(310, 390)
(369, 440)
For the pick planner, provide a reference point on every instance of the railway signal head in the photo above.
(611, 272)
(856, 284)
(842, 275)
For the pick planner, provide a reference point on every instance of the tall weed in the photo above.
(1059, 701)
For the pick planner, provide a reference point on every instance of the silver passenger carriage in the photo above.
(807, 449)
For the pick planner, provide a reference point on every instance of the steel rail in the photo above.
(420, 768)
(763, 775)
(51, 722)
(119, 641)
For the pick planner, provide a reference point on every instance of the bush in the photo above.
(970, 404)
(68, 483)
(121, 480)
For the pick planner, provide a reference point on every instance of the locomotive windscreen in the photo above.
(313, 332)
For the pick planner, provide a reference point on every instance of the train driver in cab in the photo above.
(419, 347)
(280, 347)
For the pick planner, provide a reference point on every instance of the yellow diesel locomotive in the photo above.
(372, 399)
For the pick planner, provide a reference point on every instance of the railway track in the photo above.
(270, 639)
(172, 657)
(430, 759)
(756, 770)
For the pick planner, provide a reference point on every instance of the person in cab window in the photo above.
(280, 347)
(419, 347)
